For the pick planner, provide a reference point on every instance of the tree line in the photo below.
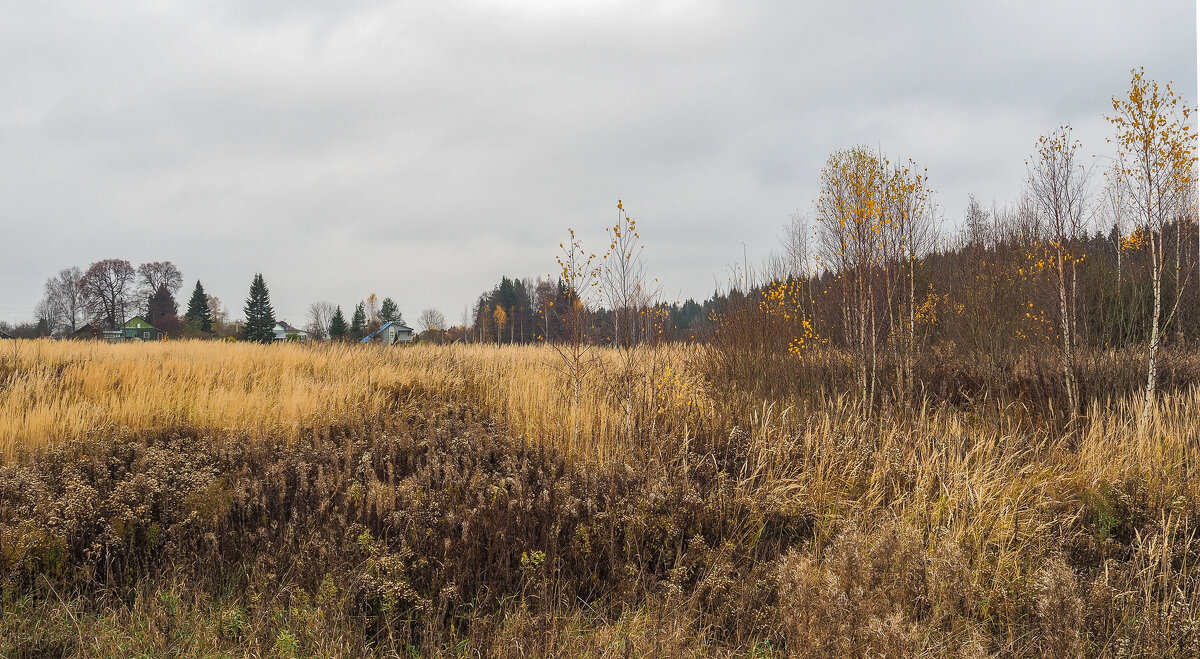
(111, 291)
(105, 295)
(1091, 258)
(327, 320)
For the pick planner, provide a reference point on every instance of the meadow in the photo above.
(228, 499)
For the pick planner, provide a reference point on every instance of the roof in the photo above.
(290, 328)
(398, 326)
(137, 322)
(6, 335)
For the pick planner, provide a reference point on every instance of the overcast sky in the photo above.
(420, 150)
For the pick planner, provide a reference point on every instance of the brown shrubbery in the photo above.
(412, 533)
(752, 349)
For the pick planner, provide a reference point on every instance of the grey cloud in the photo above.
(421, 150)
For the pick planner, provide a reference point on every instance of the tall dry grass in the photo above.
(53, 391)
(792, 524)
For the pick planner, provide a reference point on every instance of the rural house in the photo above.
(93, 332)
(137, 329)
(390, 334)
(284, 331)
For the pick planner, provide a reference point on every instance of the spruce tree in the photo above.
(358, 323)
(337, 325)
(389, 312)
(198, 315)
(161, 306)
(260, 317)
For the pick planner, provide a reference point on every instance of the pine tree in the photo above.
(358, 323)
(260, 317)
(198, 315)
(337, 325)
(161, 306)
(389, 312)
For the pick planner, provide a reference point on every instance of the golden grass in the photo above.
(984, 504)
(993, 487)
(52, 391)
(56, 391)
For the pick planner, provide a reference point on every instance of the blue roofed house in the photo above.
(390, 334)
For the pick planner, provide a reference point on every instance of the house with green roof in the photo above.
(137, 329)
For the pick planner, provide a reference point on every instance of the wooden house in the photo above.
(137, 329)
(390, 334)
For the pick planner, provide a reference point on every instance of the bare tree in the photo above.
(976, 224)
(219, 316)
(572, 315)
(798, 257)
(107, 286)
(43, 317)
(798, 260)
(64, 296)
(48, 311)
(906, 233)
(373, 322)
(319, 316)
(154, 275)
(431, 320)
(630, 296)
(623, 279)
(1115, 211)
(1058, 188)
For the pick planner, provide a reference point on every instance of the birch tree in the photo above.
(571, 314)
(1157, 146)
(1058, 188)
(906, 230)
(627, 290)
(849, 226)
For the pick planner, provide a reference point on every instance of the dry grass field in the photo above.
(216, 499)
(61, 390)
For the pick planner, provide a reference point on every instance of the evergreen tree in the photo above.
(198, 315)
(337, 325)
(260, 317)
(358, 323)
(161, 306)
(389, 312)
